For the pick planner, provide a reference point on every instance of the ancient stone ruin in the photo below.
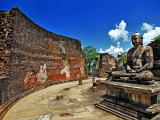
(31, 56)
(133, 90)
(106, 62)
(156, 56)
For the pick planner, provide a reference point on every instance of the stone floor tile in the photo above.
(46, 101)
(77, 116)
(63, 106)
(31, 112)
(90, 108)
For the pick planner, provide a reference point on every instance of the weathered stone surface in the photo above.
(32, 56)
(31, 112)
(106, 62)
(63, 106)
(156, 49)
(139, 64)
(137, 98)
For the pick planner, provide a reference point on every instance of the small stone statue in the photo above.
(120, 61)
(139, 63)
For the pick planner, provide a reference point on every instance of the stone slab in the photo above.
(146, 88)
(124, 112)
(134, 100)
(130, 105)
(146, 95)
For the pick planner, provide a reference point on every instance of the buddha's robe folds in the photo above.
(140, 62)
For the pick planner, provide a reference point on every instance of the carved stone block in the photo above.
(142, 99)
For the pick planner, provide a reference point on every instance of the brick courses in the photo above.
(28, 49)
(156, 54)
(106, 62)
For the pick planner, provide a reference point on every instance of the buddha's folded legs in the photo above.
(142, 76)
(145, 76)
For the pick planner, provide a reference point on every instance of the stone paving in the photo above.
(77, 104)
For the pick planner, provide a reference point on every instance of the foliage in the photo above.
(90, 54)
(156, 38)
(7, 12)
(124, 56)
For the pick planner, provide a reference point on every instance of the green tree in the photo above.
(7, 12)
(90, 54)
(156, 38)
(124, 56)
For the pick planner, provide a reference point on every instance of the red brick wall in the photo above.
(36, 56)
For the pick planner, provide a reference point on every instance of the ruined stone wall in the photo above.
(156, 54)
(156, 49)
(6, 32)
(36, 56)
(106, 62)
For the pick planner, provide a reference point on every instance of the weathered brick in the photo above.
(32, 56)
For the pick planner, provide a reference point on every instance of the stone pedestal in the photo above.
(131, 101)
(95, 72)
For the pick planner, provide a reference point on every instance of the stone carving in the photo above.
(139, 63)
(61, 46)
(33, 78)
(42, 75)
(65, 69)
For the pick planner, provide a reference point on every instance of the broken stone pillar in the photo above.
(59, 96)
(95, 89)
(86, 73)
(93, 79)
(80, 81)
(91, 70)
(96, 58)
(106, 62)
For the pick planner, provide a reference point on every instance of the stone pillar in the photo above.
(91, 70)
(96, 58)
(80, 81)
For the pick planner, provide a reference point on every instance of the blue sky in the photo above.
(107, 25)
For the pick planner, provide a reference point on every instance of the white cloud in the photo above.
(113, 50)
(146, 27)
(119, 32)
(118, 44)
(101, 51)
(151, 32)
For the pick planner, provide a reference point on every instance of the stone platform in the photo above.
(131, 101)
(77, 103)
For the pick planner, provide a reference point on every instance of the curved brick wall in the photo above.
(32, 56)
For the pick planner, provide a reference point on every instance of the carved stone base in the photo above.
(124, 112)
(136, 101)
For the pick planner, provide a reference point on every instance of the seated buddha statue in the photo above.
(139, 63)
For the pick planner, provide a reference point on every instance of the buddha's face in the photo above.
(136, 41)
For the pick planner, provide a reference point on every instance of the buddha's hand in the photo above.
(138, 70)
(112, 68)
(132, 71)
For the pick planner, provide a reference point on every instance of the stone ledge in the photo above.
(124, 112)
(150, 110)
(149, 89)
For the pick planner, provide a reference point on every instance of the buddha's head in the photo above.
(137, 39)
